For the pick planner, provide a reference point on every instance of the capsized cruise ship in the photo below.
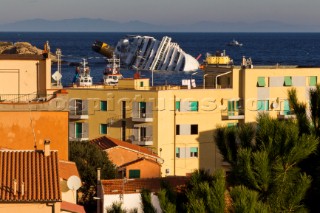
(148, 53)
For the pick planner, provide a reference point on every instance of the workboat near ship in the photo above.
(111, 74)
(82, 75)
(148, 53)
(218, 59)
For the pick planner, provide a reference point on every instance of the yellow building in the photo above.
(32, 108)
(178, 123)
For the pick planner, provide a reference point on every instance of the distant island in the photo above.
(100, 25)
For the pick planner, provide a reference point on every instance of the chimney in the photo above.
(98, 174)
(14, 187)
(46, 148)
(22, 188)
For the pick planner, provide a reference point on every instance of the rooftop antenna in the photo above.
(57, 74)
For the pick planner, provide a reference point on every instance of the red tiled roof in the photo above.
(138, 160)
(107, 143)
(136, 185)
(39, 175)
(67, 169)
(71, 207)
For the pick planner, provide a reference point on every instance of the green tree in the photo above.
(264, 160)
(88, 158)
(308, 120)
(146, 202)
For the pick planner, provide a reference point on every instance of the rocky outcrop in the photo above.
(22, 48)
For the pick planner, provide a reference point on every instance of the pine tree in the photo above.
(264, 161)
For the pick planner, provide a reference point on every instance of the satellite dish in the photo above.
(74, 182)
(274, 105)
(56, 76)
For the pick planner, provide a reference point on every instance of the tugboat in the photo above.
(82, 75)
(111, 74)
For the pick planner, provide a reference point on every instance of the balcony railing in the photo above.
(142, 117)
(25, 98)
(78, 114)
(143, 141)
(232, 115)
(79, 137)
(286, 114)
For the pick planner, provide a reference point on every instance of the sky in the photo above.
(165, 12)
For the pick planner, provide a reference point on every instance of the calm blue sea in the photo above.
(264, 49)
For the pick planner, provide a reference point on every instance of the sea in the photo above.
(301, 49)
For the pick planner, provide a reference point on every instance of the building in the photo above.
(29, 181)
(132, 161)
(179, 124)
(128, 191)
(69, 183)
(32, 108)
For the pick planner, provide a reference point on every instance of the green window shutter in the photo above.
(231, 108)
(141, 83)
(78, 130)
(143, 105)
(287, 81)
(178, 152)
(134, 173)
(260, 106)
(103, 128)
(194, 149)
(178, 105)
(231, 125)
(194, 106)
(286, 107)
(261, 82)
(313, 81)
(103, 105)
(267, 105)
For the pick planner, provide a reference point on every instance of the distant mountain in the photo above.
(100, 25)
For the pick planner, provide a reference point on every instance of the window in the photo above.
(141, 83)
(313, 81)
(263, 105)
(103, 105)
(78, 129)
(134, 173)
(194, 129)
(230, 125)
(103, 128)
(177, 152)
(193, 105)
(287, 81)
(178, 105)
(261, 82)
(186, 129)
(194, 152)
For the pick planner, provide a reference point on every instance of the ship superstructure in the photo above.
(148, 53)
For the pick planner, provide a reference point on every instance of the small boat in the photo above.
(82, 75)
(111, 74)
(235, 43)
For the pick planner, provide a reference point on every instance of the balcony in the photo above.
(232, 115)
(79, 137)
(142, 141)
(142, 117)
(78, 114)
(286, 115)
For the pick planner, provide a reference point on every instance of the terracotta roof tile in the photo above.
(71, 207)
(138, 160)
(67, 169)
(136, 185)
(107, 143)
(29, 176)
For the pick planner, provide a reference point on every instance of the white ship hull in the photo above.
(147, 53)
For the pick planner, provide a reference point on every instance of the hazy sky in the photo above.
(164, 12)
